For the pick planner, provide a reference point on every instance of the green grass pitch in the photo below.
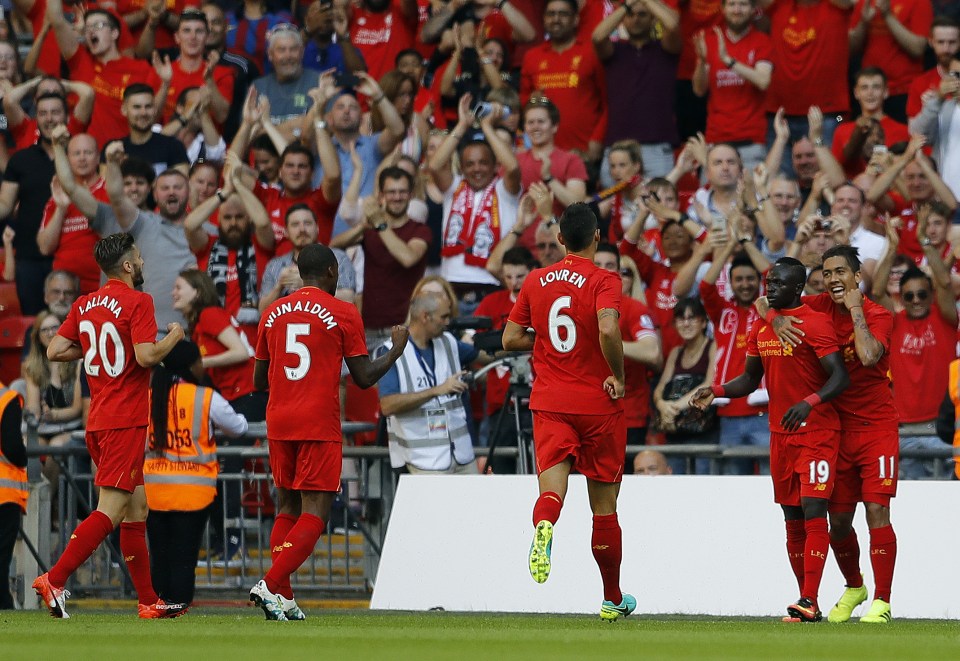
(234, 635)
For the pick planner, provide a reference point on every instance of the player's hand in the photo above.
(399, 336)
(614, 388)
(454, 385)
(795, 416)
(853, 299)
(788, 334)
(702, 398)
(176, 330)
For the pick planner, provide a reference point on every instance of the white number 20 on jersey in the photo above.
(98, 345)
(557, 320)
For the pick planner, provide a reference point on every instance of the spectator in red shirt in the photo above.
(562, 171)
(854, 142)
(23, 128)
(891, 35)
(944, 41)
(921, 348)
(733, 67)
(380, 29)
(567, 71)
(494, 20)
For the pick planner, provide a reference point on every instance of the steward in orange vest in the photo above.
(13, 484)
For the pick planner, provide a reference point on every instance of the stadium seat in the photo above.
(9, 302)
(12, 330)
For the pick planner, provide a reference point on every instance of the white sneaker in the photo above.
(272, 604)
(292, 611)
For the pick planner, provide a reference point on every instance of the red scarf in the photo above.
(472, 232)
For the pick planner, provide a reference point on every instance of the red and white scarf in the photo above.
(472, 232)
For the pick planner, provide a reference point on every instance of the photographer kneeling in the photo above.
(421, 395)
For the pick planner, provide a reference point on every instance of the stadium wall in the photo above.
(692, 544)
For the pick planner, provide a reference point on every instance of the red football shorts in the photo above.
(867, 468)
(803, 465)
(597, 443)
(118, 455)
(306, 465)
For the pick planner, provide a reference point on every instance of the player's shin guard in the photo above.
(814, 557)
(547, 508)
(84, 541)
(796, 539)
(297, 547)
(847, 553)
(608, 552)
(883, 556)
(133, 546)
(281, 528)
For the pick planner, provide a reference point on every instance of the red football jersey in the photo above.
(659, 279)
(893, 132)
(883, 51)
(276, 201)
(560, 303)
(636, 324)
(306, 336)
(75, 251)
(735, 110)
(868, 401)
(232, 381)
(107, 324)
(793, 373)
(920, 354)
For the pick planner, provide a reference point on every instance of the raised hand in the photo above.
(162, 66)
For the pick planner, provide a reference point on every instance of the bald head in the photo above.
(651, 462)
(83, 155)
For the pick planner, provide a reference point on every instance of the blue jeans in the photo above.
(922, 469)
(798, 129)
(745, 430)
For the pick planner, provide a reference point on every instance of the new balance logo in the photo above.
(129, 558)
(601, 547)
(285, 545)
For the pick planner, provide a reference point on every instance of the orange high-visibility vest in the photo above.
(954, 390)
(13, 480)
(180, 471)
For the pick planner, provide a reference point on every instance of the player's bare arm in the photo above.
(611, 344)
(517, 338)
(837, 382)
(366, 372)
(62, 350)
(869, 348)
(783, 325)
(740, 386)
(260, 370)
(152, 353)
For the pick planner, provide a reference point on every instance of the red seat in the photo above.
(9, 301)
(12, 331)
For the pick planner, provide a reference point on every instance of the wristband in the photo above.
(381, 227)
(221, 196)
(718, 391)
(378, 99)
(179, 118)
(812, 400)
(770, 315)
(548, 180)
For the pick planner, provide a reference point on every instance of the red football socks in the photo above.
(814, 557)
(796, 539)
(133, 546)
(847, 553)
(84, 541)
(297, 547)
(883, 556)
(547, 508)
(608, 552)
(281, 528)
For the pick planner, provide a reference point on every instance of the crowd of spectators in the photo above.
(442, 139)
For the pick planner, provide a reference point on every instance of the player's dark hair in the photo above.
(603, 246)
(519, 256)
(110, 251)
(793, 268)
(914, 273)
(298, 207)
(137, 167)
(298, 148)
(743, 261)
(691, 305)
(849, 253)
(53, 95)
(137, 88)
(395, 173)
(175, 367)
(315, 261)
(578, 226)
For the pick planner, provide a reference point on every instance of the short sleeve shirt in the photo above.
(232, 381)
(306, 336)
(107, 324)
(561, 303)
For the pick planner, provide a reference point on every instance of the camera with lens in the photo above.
(485, 108)
(822, 225)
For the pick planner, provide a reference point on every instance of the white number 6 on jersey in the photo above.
(558, 321)
(298, 349)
